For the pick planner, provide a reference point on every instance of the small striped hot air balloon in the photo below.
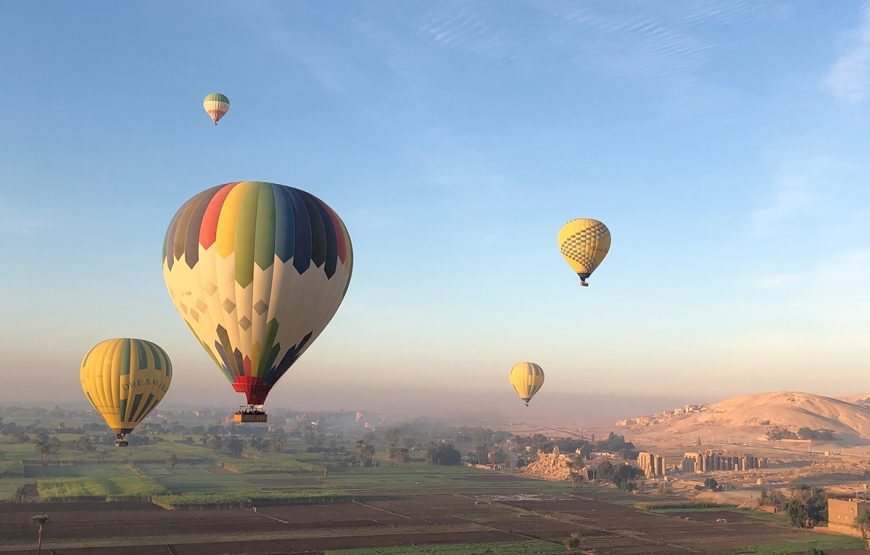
(216, 106)
(584, 243)
(124, 379)
(526, 378)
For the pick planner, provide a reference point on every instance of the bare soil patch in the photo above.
(78, 528)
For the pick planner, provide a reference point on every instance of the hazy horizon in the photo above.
(724, 145)
(496, 410)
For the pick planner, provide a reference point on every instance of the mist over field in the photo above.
(497, 410)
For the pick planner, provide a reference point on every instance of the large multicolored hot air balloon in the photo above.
(257, 271)
(527, 378)
(584, 243)
(124, 379)
(216, 106)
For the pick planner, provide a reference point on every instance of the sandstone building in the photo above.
(653, 465)
(842, 513)
(711, 461)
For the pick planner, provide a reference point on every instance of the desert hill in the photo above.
(751, 416)
(859, 399)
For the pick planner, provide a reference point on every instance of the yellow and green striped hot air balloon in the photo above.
(526, 378)
(124, 379)
(584, 243)
(256, 270)
(216, 106)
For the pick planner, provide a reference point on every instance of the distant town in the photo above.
(664, 416)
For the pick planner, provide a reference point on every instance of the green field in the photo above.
(423, 477)
(675, 506)
(180, 474)
(8, 487)
(282, 497)
(13, 467)
(823, 542)
(124, 487)
(267, 463)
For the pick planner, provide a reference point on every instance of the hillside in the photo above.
(751, 416)
(862, 399)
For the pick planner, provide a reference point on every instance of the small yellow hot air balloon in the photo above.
(527, 378)
(124, 379)
(584, 243)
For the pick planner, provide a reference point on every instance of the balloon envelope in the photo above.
(256, 270)
(124, 379)
(216, 106)
(584, 243)
(526, 378)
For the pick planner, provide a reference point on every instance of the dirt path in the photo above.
(382, 510)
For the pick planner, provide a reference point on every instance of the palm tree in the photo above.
(361, 452)
(235, 446)
(251, 452)
(54, 446)
(276, 444)
(257, 443)
(39, 520)
(215, 443)
(44, 449)
(364, 453)
(862, 521)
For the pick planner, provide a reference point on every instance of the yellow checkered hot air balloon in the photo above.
(584, 243)
(216, 106)
(124, 379)
(527, 378)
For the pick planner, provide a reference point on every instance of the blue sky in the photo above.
(723, 143)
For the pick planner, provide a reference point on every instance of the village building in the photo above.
(843, 512)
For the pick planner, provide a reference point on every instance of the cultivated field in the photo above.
(179, 496)
(424, 522)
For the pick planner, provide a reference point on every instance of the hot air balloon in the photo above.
(584, 243)
(124, 379)
(216, 106)
(256, 270)
(527, 378)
